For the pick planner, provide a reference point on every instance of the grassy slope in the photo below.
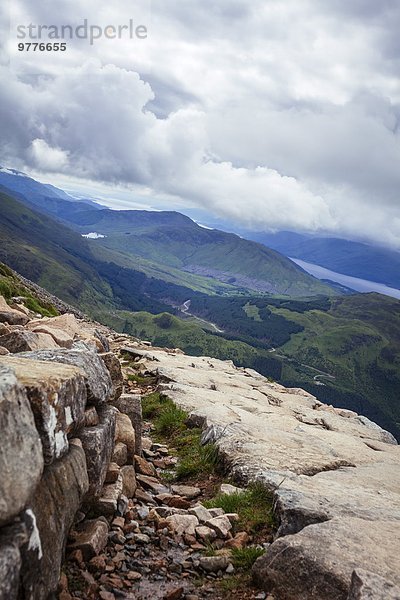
(176, 242)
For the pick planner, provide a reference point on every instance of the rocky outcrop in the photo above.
(335, 475)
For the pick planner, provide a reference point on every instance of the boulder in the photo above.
(318, 562)
(125, 434)
(26, 341)
(4, 351)
(112, 473)
(205, 534)
(98, 381)
(221, 525)
(66, 323)
(98, 444)
(368, 586)
(120, 454)
(213, 564)
(131, 405)
(21, 456)
(61, 337)
(144, 467)
(129, 484)
(49, 518)
(202, 513)
(57, 395)
(114, 368)
(183, 524)
(10, 315)
(90, 538)
(187, 491)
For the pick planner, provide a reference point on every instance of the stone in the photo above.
(187, 491)
(221, 525)
(144, 467)
(4, 351)
(90, 538)
(91, 417)
(131, 405)
(107, 503)
(174, 594)
(146, 441)
(10, 562)
(98, 380)
(178, 502)
(183, 524)
(26, 341)
(98, 444)
(49, 518)
(57, 395)
(233, 517)
(120, 454)
(368, 586)
(129, 484)
(216, 512)
(11, 315)
(21, 456)
(125, 433)
(228, 489)
(61, 337)
(202, 513)
(151, 483)
(112, 473)
(113, 366)
(143, 496)
(323, 556)
(239, 541)
(67, 323)
(213, 564)
(205, 534)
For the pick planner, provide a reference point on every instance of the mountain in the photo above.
(342, 256)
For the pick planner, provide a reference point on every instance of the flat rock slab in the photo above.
(57, 395)
(318, 562)
(323, 464)
(26, 341)
(98, 444)
(97, 377)
(21, 456)
(49, 519)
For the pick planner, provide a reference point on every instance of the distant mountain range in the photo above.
(342, 256)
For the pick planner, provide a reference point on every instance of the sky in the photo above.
(270, 114)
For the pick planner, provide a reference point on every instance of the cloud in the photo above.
(279, 114)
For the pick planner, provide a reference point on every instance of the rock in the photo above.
(10, 315)
(61, 337)
(146, 443)
(49, 519)
(144, 467)
(21, 457)
(107, 503)
(143, 496)
(114, 368)
(91, 417)
(233, 517)
(67, 323)
(175, 594)
(57, 395)
(205, 534)
(216, 512)
(125, 434)
(10, 561)
(189, 492)
(98, 444)
(201, 513)
(318, 562)
(368, 586)
(183, 524)
(239, 541)
(4, 351)
(90, 538)
(26, 341)
(120, 454)
(178, 502)
(221, 525)
(142, 512)
(213, 564)
(151, 483)
(129, 484)
(131, 405)
(112, 473)
(228, 489)
(98, 381)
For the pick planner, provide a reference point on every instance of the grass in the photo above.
(170, 427)
(10, 286)
(254, 507)
(244, 558)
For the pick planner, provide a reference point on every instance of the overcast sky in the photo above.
(271, 114)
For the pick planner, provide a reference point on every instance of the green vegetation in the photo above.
(244, 558)
(11, 286)
(254, 507)
(170, 427)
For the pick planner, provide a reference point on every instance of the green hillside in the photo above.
(172, 242)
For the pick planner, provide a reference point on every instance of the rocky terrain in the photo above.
(95, 503)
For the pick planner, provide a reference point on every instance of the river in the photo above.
(360, 285)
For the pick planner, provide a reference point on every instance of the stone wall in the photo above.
(67, 448)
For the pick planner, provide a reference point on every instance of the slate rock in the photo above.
(21, 456)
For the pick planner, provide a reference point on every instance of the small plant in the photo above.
(244, 558)
(137, 378)
(170, 421)
(254, 507)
